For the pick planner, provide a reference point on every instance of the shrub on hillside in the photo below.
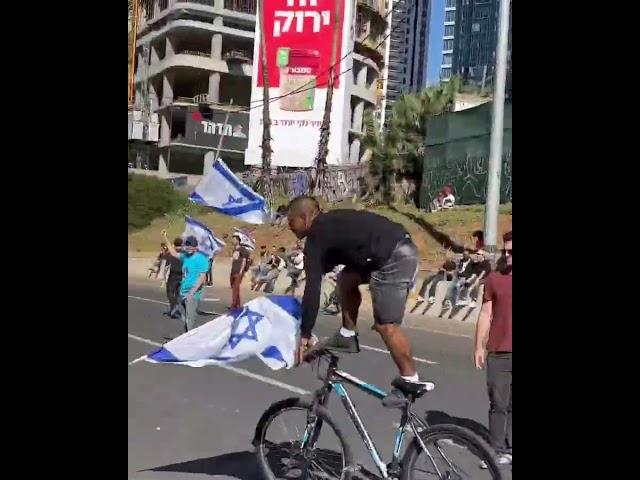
(150, 198)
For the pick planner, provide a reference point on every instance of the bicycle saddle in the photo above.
(415, 389)
(404, 391)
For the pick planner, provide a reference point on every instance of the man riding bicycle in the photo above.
(374, 250)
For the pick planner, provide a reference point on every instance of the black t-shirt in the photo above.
(239, 253)
(484, 266)
(465, 268)
(359, 240)
(276, 261)
(175, 264)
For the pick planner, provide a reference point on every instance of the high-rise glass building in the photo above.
(408, 46)
(469, 41)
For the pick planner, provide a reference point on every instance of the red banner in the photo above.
(299, 38)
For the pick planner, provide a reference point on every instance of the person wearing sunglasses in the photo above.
(494, 329)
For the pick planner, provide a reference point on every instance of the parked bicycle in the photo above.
(434, 453)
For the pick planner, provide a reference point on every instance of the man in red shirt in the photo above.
(495, 322)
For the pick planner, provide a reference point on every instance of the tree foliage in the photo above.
(398, 149)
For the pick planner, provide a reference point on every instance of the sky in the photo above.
(435, 42)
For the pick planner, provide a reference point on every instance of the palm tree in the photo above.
(317, 186)
(265, 186)
(399, 149)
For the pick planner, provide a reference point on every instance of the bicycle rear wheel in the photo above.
(453, 453)
(292, 443)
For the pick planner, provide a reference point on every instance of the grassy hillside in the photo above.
(425, 228)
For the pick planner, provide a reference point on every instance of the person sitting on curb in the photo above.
(261, 269)
(276, 264)
(331, 304)
(449, 201)
(296, 267)
(444, 273)
(463, 272)
(480, 269)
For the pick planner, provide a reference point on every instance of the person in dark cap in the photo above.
(194, 272)
(175, 278)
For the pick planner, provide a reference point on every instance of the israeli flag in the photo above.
(226, 194)
(245, 240)
(266, 327)
(207, 241)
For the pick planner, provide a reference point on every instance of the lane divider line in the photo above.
(239, 371)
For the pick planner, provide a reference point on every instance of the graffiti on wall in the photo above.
(340, 182)
(468, 177)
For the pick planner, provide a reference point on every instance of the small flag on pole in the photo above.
(245, 240)
(207, 241)
(227, 194)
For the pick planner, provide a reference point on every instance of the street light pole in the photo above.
(497, 125)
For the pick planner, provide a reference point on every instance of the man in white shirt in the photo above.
(449, 201)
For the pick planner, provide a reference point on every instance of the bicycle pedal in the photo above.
(395, 399)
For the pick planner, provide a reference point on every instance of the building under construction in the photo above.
(192, 61)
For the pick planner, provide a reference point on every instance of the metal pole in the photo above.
(495, 156)
(224, 129)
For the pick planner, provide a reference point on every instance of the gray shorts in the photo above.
(390, 285)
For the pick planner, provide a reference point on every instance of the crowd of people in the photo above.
(268, 265)
(264, 267)
(465, 278)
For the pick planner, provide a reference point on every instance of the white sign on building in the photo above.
(299, 37)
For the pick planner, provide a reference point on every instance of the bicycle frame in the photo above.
(334, 381)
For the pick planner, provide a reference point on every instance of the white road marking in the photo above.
(381, 350)
(148, 300)
(439, 332)
(144, 340)
(366, 347)
(239, 371)
(210, 300)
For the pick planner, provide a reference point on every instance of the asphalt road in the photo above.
(197, 423)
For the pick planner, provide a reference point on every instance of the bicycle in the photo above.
(306, 458)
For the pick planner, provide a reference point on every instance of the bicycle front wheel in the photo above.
(294, 443)
(453, 453)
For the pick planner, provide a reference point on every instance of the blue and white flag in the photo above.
(266, 327)
(245, 240)
(227, 194)
(207, 241)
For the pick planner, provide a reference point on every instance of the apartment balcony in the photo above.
(196, 60)
(376, 7)
(242, 6)
(238, 56)
(153, 11)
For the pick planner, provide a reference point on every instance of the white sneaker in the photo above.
(431, 300)
(501, 460)
(473, 304)
(462, 302)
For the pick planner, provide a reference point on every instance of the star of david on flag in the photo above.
(249, 332)
(222, 191)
